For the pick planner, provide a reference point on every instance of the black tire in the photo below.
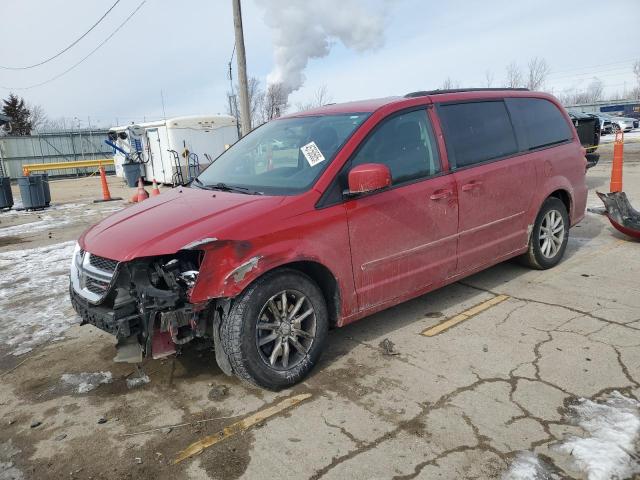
(240, 334)
(536, 256)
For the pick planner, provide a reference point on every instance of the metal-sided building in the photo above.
(66, 146)
(620, 108)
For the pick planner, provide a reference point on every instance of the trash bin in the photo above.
(32, 192)
(45, 185)
(6, 197)
(132, 172)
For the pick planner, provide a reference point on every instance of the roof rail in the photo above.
(424, 93)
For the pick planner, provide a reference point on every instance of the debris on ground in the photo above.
(35, 424)
(388, 347)
(85, 382)
(218, 392)
(102, 420)
(139, 379)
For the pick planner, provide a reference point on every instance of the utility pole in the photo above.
(245, 113)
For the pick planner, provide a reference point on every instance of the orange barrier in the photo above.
(106, 195)
(616, 169)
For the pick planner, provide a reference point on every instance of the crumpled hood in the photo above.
(165, 224)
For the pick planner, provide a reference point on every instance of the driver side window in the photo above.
(406, 144)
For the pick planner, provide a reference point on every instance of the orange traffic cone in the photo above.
(142, 193)
(154, 189)
(106, 195)
(616, 169)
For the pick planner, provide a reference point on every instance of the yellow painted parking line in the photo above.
(466, 315)
(241, 426)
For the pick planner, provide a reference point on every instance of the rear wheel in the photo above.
(549, 237)
(276, 330)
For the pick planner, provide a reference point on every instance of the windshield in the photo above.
(282, 157)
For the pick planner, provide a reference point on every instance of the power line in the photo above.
(67, 48)
(594, 66)
(83, 58)
(594, 73)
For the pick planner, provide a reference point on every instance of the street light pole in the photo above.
(245, 113)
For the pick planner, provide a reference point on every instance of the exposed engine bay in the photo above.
(145, 303)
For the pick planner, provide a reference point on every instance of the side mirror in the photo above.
(368, 177)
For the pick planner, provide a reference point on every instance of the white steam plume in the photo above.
(305, 29)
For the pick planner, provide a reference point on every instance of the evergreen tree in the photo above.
(19, 114)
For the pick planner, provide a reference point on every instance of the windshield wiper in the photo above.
(198, 181)
(231, 188)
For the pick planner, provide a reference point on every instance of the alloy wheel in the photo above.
(551, 233)
(286, 329)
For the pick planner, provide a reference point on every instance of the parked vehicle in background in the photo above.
(588, 128)
(368, 204)
(606, 127)
(624, 124)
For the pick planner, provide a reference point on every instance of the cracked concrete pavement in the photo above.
(461, 404)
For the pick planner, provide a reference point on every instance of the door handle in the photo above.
(467, 187)
(441, 194)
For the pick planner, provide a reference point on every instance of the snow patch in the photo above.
(53, 218)
(527, 466)
(85, 382)
(610, 449)
(607, 451)
(34, 298)
(135, 382)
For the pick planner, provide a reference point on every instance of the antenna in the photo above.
(164, 113)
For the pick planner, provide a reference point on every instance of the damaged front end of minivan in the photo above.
(146, 303)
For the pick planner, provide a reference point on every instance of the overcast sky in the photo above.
(183, 48)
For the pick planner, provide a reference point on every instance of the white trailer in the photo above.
(168, 147)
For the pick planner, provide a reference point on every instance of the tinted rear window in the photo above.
(538, 122)
(476, 132)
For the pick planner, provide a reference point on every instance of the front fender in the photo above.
(230, 267)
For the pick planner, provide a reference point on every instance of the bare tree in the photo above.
(595, 90)
(54, 125)
(488, 78)
(635, 92)
(274, 102)
(449, 84)
(255, 101)
(37, 117)
(320, 98)
(538, 71)
(514, 76)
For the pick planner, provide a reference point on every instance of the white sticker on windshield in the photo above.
(312, 153)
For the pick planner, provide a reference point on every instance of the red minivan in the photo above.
(320, 218)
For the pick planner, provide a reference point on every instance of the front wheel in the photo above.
(549, 237)
(276, 330)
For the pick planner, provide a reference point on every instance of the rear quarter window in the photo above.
(476, 132)
(538, 123)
